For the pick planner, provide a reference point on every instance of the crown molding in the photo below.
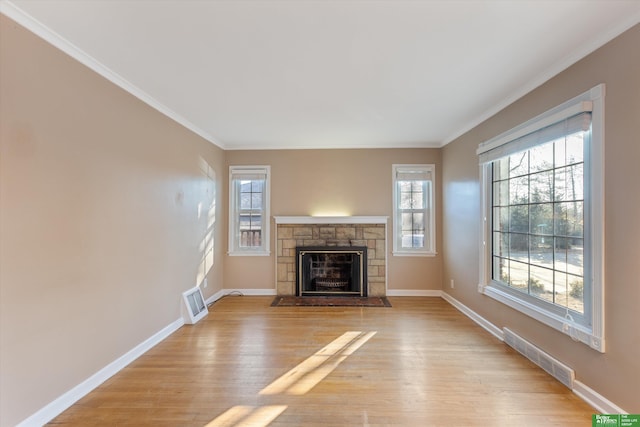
(13, 12)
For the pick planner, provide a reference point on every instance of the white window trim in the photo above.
(263, 250)
(431, 169)
(592, 336)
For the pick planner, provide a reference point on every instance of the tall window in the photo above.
(542, 198)
(249, 210)
(414, 218)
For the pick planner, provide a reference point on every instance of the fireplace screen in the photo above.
(331, 271)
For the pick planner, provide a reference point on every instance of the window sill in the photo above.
(575, 331)
(249, 253)
(416, 254)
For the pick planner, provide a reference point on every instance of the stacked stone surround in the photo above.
(290, 236)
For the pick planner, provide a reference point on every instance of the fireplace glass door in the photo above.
(331, 271)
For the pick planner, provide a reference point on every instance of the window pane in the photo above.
(569, 220)
(501, 269)
(562, 245)
(257, 186)
(417, 186)
(519, 246)
(519, 218)
(541, 189)
(519, 190)
(501, 219)
(560, 152)
(245, 200)
(405, 200)
(560, 289)
(501, 169)
(256, 201)
(541, 218)
(518, 164)
(541, 283)
(575, 182)
(560, 191)
(412, 194)
(540, 251)
(417, 200)
(541, 157)
(569, 183)
(501, 244)
(412, 233)
(575, 257)
(501, 193)
(561, 224)
(413, 223)
(575, 148)
(574, 218)
(576, 293)
(250, 221)
(519, 276)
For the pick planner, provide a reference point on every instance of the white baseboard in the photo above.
(599, 402)
(215, 297)
(412, 293)
(590, 396)
(224, 292)
(484, 323)
(59, 405)
(267, 292)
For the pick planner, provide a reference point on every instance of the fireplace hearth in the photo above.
(335, 271)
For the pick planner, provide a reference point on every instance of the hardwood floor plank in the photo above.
(423, 363)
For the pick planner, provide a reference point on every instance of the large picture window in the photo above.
(542, 234)
(413, 219)
(249, 210)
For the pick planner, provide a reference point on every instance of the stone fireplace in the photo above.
(295, 233)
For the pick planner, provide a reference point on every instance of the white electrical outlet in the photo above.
(452, 284)
(205, 283)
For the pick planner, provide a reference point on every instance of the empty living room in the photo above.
(319, 213)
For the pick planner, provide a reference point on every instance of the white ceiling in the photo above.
(271, 74)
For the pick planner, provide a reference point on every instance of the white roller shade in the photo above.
(248, 174)
(537, 131)
(413, 175)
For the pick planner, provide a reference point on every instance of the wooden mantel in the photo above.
(331, 219)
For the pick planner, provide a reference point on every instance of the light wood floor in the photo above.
(420, 363)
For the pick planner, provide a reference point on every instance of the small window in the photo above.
(249, 210)
(542, 218)
(413, 216)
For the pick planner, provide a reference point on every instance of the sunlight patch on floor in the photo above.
(248, 416)
(315, 368)
(298, 381)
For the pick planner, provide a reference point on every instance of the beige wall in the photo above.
(100, 198)
(336, 182)
(615, 374)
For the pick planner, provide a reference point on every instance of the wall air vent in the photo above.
(195, 305)
(554, 367)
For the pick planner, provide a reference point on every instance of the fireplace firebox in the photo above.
(331, 270)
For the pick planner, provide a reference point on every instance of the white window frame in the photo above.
(590, 330)
(235, 173)
(428, 171)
